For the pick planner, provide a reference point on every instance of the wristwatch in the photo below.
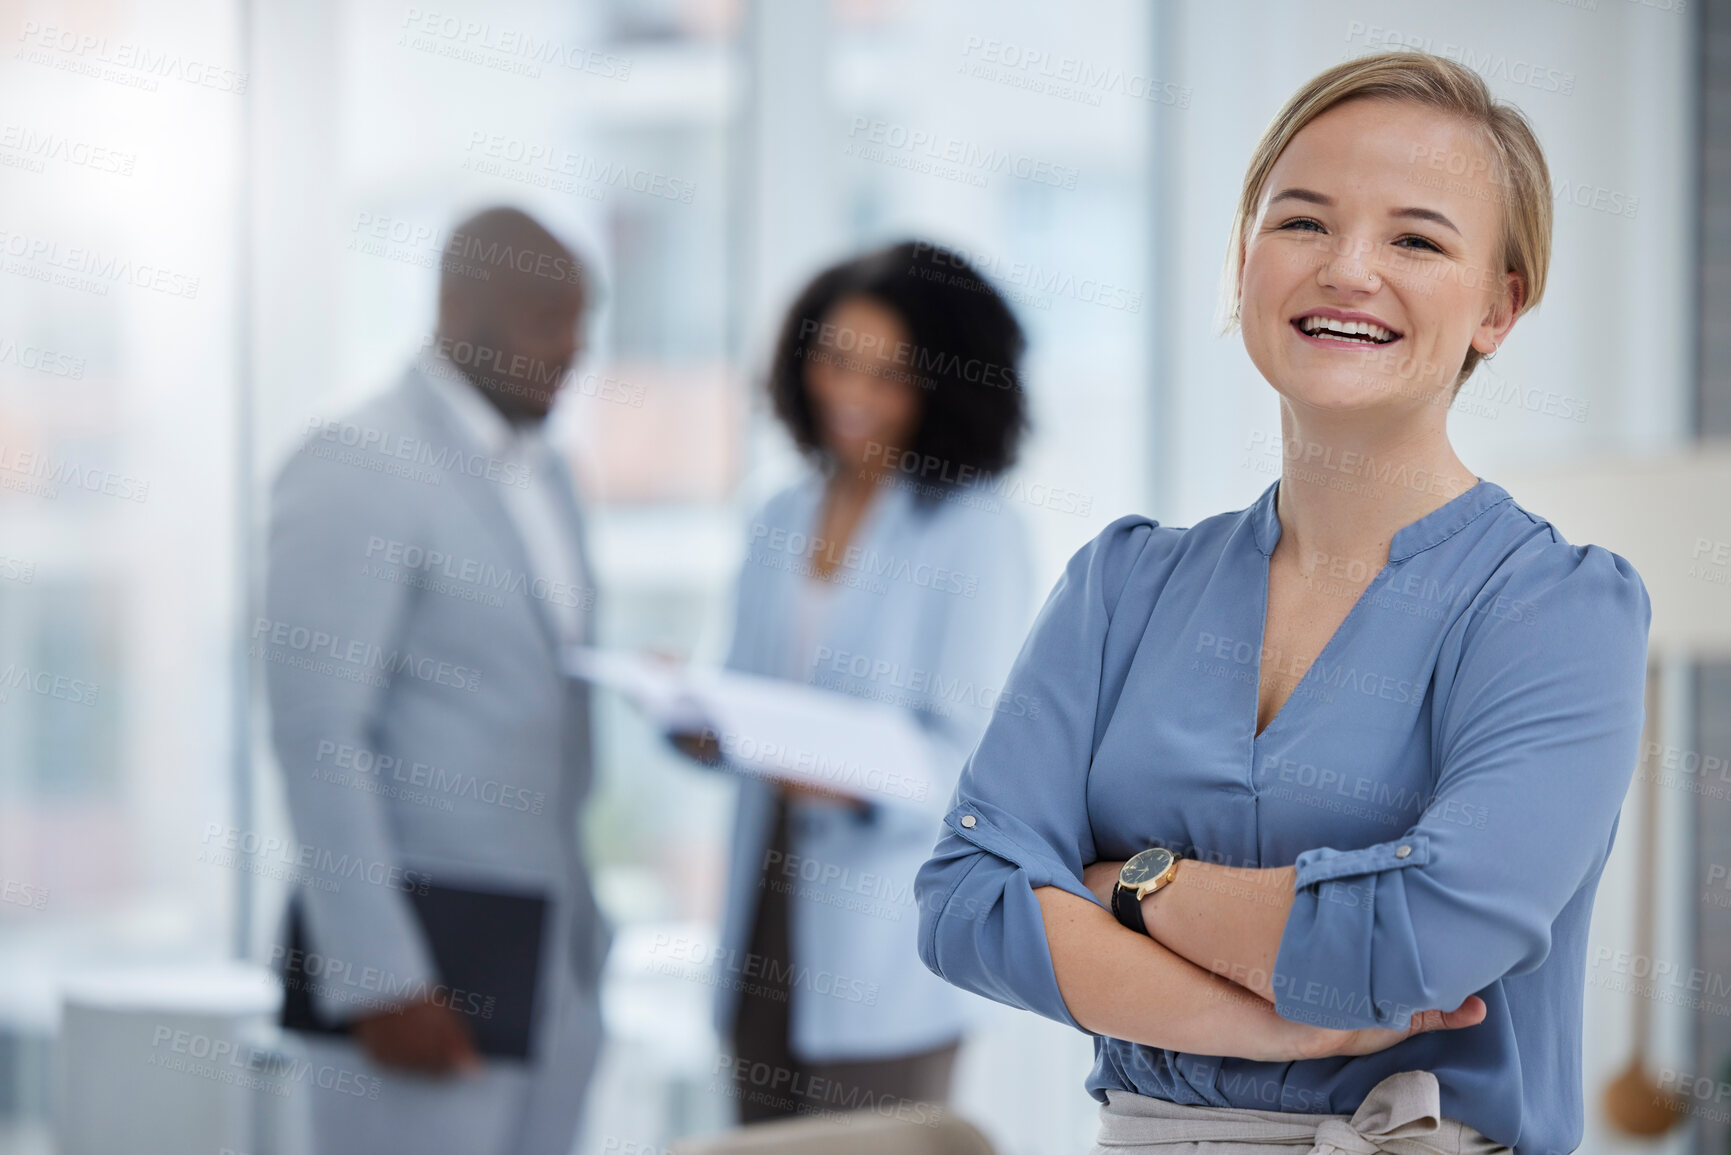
(1146, 872)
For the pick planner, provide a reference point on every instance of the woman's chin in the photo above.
(1338, 394)
(858, 452)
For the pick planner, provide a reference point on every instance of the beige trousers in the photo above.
(1401, 1115)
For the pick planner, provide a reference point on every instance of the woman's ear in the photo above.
(1501, 316)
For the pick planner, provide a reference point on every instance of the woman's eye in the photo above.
(1425, 245)
(1299, 222)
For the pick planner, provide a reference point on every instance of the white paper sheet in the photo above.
(774, 727)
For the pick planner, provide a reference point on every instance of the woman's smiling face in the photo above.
(1362, 284)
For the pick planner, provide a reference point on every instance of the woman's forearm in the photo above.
(1227, 920)
(1125, 985)
(1119, 983)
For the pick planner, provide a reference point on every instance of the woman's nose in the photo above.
(1348, 266)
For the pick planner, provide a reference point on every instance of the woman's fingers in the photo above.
(1469, 1014)
(1369, 1040)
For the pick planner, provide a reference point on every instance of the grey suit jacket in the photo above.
(418, 712)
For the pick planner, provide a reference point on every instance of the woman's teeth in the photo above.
(1350, 330)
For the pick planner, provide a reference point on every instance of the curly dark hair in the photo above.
(964, 352)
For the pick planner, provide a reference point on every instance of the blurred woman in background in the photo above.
(890, 573)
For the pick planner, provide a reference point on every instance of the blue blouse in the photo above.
(1446, 776)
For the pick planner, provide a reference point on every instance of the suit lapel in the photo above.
(483, 496)
(576, 539)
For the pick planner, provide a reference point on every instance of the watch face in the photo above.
(1145, 867)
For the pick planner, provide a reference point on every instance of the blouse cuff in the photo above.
(1326, 865)
(1001, 833)
(982, 927)
(1323, 972)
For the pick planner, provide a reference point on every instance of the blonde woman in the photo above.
(1307, 829)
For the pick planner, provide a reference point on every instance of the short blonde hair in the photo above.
(1518, 163)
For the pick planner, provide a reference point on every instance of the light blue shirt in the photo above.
(924, 613)
(1446, 776)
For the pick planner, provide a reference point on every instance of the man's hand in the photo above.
(422, 1037)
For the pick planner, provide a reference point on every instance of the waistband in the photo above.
(1402, 1115)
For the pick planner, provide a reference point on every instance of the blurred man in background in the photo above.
(426, 569)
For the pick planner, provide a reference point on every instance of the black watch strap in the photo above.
(1128, 908)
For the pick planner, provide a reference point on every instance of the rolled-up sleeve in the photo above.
(1535, 737)
(1018, 819)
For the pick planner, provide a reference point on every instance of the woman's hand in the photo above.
(799, 791)
(1370, 1040)
(1101, 878)
(701, 746)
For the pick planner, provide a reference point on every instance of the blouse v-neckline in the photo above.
(816, 596)
(1414, 538)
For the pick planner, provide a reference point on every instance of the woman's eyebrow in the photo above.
(1310, 196)
(1302, 194)
(1432, 215)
